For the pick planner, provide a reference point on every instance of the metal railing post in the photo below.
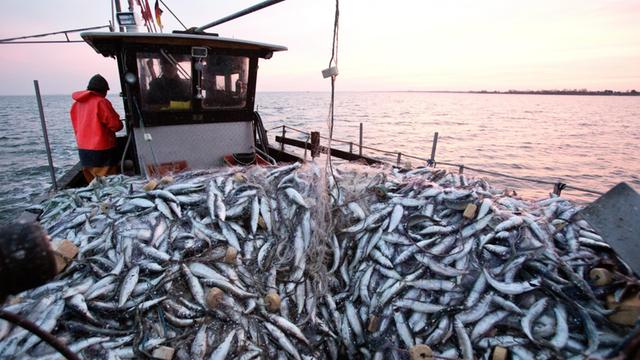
(432, 159)
(351, 147)
(360, 153)
(399, 158)
(46, 135)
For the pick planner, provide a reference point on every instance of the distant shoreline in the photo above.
(540, 92)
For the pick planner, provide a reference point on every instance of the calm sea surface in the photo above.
(586, 141)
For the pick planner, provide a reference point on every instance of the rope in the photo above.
(334, 61)
(47, 337)
(174, 15)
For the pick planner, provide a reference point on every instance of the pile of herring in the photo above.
(284, 262)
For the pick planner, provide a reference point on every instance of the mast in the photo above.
(118, 9)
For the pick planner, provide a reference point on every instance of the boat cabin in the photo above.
(189, 98)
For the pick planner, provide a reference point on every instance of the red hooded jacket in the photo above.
(94, 120)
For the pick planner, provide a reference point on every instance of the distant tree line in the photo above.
(563, 92)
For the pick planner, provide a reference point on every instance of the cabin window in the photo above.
(165, 81)
(225, 81)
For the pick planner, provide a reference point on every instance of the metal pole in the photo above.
(360, 153)
(46, 136)
(9, 40)
(113, 18)
(240, 13)
(399, 158)
(433, 147)
(351, 147)
(118, 9)
(284, 131)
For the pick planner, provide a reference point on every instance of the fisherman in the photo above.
(168, 86)
(95, 124)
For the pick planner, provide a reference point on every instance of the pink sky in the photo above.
(407, 45)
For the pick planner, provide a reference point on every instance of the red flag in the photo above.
(158, 14)
(148, 18)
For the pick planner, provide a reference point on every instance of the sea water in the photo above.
(591, 142)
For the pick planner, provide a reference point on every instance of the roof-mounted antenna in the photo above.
(244, 12)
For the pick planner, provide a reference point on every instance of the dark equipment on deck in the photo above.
(616, 217)
(27, 261)
(26, 258)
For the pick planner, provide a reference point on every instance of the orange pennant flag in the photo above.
(158, 14)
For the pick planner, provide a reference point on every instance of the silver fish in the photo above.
(128, 284)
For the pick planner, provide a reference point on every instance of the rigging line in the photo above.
(334, 47)
(54, 33)
(174, 15)
(42, 42)
(334, 56)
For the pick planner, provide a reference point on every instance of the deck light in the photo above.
(130, 78)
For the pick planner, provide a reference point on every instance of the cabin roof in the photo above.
(108, 43)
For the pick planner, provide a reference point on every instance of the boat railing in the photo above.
(558, 186)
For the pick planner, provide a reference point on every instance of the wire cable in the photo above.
(174, 15)
(144, 132)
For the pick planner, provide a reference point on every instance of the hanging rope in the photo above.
(333, 62)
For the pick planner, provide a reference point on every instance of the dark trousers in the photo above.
(91, 172)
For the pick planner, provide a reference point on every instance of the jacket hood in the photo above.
(84, 95)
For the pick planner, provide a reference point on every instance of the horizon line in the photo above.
(630, 92)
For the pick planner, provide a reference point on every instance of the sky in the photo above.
(383, 45)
